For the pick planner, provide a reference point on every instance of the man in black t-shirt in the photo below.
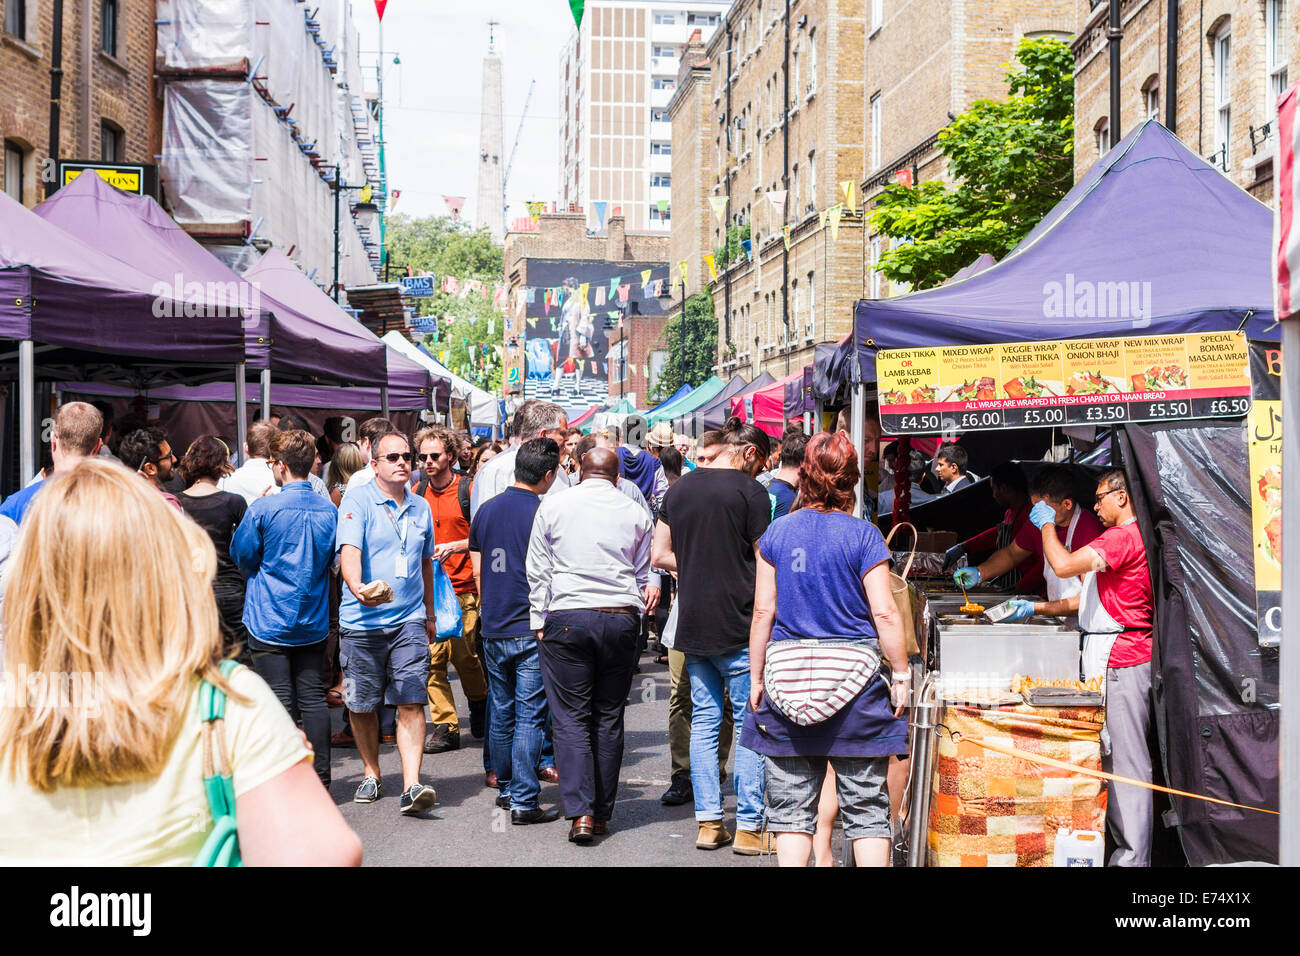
(708, 532)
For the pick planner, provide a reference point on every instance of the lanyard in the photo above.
(401, 532)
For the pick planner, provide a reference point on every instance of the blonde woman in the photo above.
(113, 631)
(347, 461)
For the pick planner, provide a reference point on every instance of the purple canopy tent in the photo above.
(718, 410)
(79, 307)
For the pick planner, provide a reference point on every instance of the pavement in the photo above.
(467, 829)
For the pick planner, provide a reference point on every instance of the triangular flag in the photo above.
(713, 269)
(821, 218)
(582, 293)
(365, 194)
(613, 285)
(748, 246)
(684, 268)
(719, 204)
(600, 206)
(663, 206)
(535, 210)
(786, 235)
(777, 198)
(576, 7)
(645, 370)
(532, 323)
(379, 7)
(850, 194)
(645, 277)
(834, 217)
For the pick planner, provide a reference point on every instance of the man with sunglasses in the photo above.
(447, 494)
(1115, 613)
(147, 452)
(385, 534)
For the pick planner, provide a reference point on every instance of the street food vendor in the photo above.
(1115, 613)
(1054, 489)
(1010, 489)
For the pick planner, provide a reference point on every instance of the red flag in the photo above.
(904, 177)
(379, 7)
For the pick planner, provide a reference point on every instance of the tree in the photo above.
(701, 341)
(469, 327)
(1012, 161)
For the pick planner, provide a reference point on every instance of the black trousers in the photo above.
(294, 674)
(587, 661)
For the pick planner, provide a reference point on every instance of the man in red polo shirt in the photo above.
(1115, 612)
(447, 493)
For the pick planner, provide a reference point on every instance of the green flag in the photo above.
(576, 7)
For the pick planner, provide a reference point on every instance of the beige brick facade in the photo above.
(98, 88)
(927, 61)
(1205, 94)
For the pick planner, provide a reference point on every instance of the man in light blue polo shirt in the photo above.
(385, 533)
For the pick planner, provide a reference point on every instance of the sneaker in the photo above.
(442, 738)
(416, 798)
(369, 791)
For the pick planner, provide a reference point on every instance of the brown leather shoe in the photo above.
(548, 775)
(490, 778)
(583, 829)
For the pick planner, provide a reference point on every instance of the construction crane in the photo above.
(505, 181)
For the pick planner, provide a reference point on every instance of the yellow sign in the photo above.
(1264, 439)
(128, 182)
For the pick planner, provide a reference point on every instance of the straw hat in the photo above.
(661, 435)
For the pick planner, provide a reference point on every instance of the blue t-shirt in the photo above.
(500, 533)
(16, 505)
(784, 497)
(392, 540)
(820, 559)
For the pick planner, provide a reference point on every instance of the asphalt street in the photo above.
(466, 829)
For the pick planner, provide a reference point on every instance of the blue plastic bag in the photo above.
(446, 606)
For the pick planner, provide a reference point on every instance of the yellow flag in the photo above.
(582, 293)
(834, 218)
(719, 204)
(365, 193)
(713, 269)
(821, 219)
(786, 234)
(684, 268)
(850, 194)
(645, 276)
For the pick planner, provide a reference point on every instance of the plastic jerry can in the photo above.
(1079, 848)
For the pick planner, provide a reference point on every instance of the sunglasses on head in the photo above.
(393, 457)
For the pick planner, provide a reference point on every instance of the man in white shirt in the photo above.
(253, 479)
(588, 577)
(368, 435)
(534, 419)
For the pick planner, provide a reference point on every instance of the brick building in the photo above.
(107, 108)
(1229, 58)
(628, 322)
(926, 62)
(753, 116)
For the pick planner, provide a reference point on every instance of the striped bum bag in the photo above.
(810, 680)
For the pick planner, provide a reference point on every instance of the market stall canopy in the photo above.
(1152, 241)
(281, 280)
(580, 420)
(135, 230)
(718, 410)
(982, 262)
(292, 396)
(674, 397)
(84, 307)
(767, 404)
(701, 395)
(483, 408)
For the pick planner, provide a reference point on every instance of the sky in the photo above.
(432, 99)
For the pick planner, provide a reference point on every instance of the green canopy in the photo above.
(688, 403)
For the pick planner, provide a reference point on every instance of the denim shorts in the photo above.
(794, 785)
(392, 659)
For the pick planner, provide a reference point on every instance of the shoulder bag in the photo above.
(222, 845)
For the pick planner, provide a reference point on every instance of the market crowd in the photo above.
(355, 574)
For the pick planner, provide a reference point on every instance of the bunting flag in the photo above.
(366, 193)
(623, 291)
(777, 198)
(785, 234)
(834, 219)
(748, 246)
(613, 285)
(575, 7)
(582, 293)
(535, 210)
(396, 194)
(821, 218)
(532, 323)
(712, 267)
(719, 204)
(663, 206)
(849, 188)
(492, 327)
(684, 268)
(379, 7)
(645, 370)
(645, 277)
(454, 206)
(600, 295)
(600, 206)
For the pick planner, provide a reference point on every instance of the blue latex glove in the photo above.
(966, 577)
(1042, 514)
(1020, 611)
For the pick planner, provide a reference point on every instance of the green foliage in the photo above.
(1012, 161)
(698, 355)
(465, 325)
(731, 252)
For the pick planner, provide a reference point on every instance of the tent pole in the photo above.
(266, 394)
(859, 426)
(1288, 671)
(26, 411)
(383, 401)
(241, 414)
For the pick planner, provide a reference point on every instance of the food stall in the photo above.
(1130, 313)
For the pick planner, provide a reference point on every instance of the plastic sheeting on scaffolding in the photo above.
(484, 409)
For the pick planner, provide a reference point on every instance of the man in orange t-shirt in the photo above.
(448, 496)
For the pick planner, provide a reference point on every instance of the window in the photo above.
(877, 14)
(1101, 135)
(876, 247)
(875, 131)
(702, 19)
(657, 216)
(796, 193)
(1151, 99)
(812, 61)
(1223, 93)
(16, 18)
(812, 177)
(1275, 52)
(661, 180)
(108, 26)
(110, 143)
(661, 149)
(667, 52)
(666, 19)
(659, 116)
(15, 181)
(812, 303)
(663, 83)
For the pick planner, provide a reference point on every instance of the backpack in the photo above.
(462, 493)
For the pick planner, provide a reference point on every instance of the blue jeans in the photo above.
(517, 703)
(710, 677)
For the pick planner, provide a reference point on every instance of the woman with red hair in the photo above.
(825, 577)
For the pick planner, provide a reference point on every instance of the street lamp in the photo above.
(338, 186)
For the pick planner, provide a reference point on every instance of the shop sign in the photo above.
(417, 287)
(954, 388)
(1264, 434)
(138, 178)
